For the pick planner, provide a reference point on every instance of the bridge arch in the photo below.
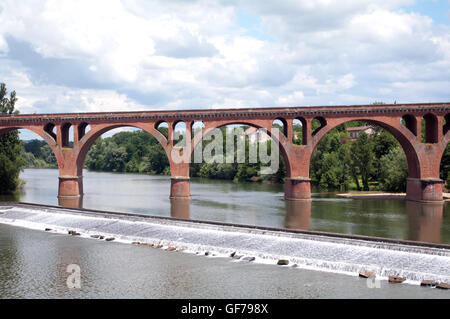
(41, 132)
(402, 134)
(96, 131)
(279, 138)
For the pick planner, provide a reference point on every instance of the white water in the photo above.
(338, 255)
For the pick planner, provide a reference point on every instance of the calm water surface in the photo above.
(248, 203)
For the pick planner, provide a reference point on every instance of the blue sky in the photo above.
(438, 10)
(112, 55)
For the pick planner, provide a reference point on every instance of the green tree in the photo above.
(362, 159)
(11, 161)
(394, 170)
(383, 143)
(330, 162)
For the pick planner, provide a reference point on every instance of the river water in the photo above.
(248, 203)
(34, 263)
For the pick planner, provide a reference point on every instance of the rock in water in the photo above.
(366, 274)
(443, 285)
(110, 239)
(396, 279)
(428, 283)
(171, 248)
(283, 262)
(248, 258)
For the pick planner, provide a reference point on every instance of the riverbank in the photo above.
(325, 252)
(375, 195)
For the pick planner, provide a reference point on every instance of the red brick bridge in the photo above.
(403, 121)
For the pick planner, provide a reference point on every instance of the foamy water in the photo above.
(307, 251)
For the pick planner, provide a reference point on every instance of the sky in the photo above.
(93, 56)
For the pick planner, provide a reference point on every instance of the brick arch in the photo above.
(45, 136)
(96, 131)
(267, 125)
(443, 145)
(403, 135)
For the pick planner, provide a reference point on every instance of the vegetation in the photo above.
(131, 152)
(38, 154)
(239, 172)
(370, 162)
(11, 161)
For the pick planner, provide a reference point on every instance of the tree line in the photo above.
(369, 162)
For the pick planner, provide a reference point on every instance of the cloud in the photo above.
(185, 45)
(63, 56)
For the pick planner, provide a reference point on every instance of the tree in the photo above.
(362, 159)
(394, 170)
(330, 163)
(383, 143)
(11, 161)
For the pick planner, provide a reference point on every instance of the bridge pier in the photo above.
(70, 187)
(424, 190)
(297, 188)
(179, 188)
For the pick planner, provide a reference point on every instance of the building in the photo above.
(355, 131)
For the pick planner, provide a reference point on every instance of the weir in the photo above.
(346, 254)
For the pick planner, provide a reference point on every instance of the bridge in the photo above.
(403, 121)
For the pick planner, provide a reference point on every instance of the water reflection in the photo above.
(244, 203)
(425, 221)
(180, 208)
(298, 214)
(71, 202)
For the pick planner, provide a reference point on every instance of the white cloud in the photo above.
(158, 54)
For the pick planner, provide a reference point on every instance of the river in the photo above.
(248, 203)
(33, 263)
